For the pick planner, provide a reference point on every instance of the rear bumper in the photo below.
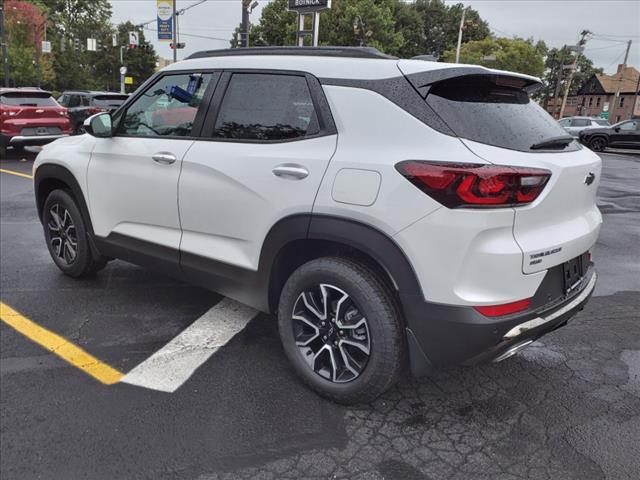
(441, 335)
(25, 140)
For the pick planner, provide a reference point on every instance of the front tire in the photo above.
(598, 144)
(66, 236)
(341, 330)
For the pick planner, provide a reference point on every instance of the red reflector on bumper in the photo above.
(504, 309)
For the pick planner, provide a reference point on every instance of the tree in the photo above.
(431, 27)
(25, 23)
(516, 55)
(140, 62)
(392, 26)
(553, 68)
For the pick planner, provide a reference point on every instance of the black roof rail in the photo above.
(347, 52)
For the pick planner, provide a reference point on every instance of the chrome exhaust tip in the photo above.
(512, 351)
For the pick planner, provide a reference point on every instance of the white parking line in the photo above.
(172, 365)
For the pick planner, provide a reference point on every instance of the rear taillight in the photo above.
(62, 112)
(475, 185)
(504, 309)
(94, 110)
(10, 112)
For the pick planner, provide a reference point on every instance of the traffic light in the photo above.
(179, 45)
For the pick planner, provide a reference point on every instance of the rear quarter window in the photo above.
(477, 108)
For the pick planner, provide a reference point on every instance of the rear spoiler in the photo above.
(422, 81)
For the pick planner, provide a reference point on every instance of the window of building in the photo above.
(621, 102)
(590, 101)
(598, 102)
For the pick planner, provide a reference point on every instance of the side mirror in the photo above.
(617, 129)
(99, 125)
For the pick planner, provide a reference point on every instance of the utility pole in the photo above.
(5, 58)
(556, 94)
(464, 10)
(244, 33)
(174, 18)
(620, 78)
(581, 43)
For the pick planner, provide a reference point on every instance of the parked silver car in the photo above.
(574, 125)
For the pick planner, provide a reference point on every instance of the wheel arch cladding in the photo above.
(297, 239)
(50, 177)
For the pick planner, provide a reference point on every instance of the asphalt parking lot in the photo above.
(565, 408)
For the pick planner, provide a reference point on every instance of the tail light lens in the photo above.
(10, 112)
(504, 309)
(475, 185)
(94, 110)
(62, 112)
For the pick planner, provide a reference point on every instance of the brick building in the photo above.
(599, 91)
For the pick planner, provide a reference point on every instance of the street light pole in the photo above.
(620, 78)
(464, 10)
(5, 56)
(583, 40)
(174, 18)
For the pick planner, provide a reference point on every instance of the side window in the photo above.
(266, 107)
(63, 100)
(74, 101)
(85, 101)
(628, 125)
(579, 122)
(565, 122)
(168, 108)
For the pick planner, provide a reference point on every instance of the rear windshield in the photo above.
(477, 108)
(109, 100)
(28, 99)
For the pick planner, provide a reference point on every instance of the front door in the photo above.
(133, 176)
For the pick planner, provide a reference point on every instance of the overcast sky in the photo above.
(557, 22)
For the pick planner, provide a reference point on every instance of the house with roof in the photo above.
(598, 95)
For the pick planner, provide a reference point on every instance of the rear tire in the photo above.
(355, 349)
(67, 238)
(598, 144)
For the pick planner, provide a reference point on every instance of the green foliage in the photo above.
(553, 65)
(68, 24)
(516, 55)
(392, 26)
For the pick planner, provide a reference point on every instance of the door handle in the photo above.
(164, 158)
(291, 171)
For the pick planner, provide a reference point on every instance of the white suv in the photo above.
(390, 212)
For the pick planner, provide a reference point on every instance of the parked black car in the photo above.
(84, 103)
(621, 135)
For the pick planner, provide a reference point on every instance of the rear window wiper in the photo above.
(561, 141)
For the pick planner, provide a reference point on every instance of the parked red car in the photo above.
(30, 116)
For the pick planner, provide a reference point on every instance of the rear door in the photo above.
(264, 150)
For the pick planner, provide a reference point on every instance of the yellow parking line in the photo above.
(60, 346)
(17, 174)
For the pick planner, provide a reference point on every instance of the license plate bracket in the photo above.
(573, 273)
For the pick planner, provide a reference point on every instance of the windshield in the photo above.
(28, 99)
(485, 109)
(604, 123)
(109, 100)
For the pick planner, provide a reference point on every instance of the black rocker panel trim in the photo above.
(155, 257)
